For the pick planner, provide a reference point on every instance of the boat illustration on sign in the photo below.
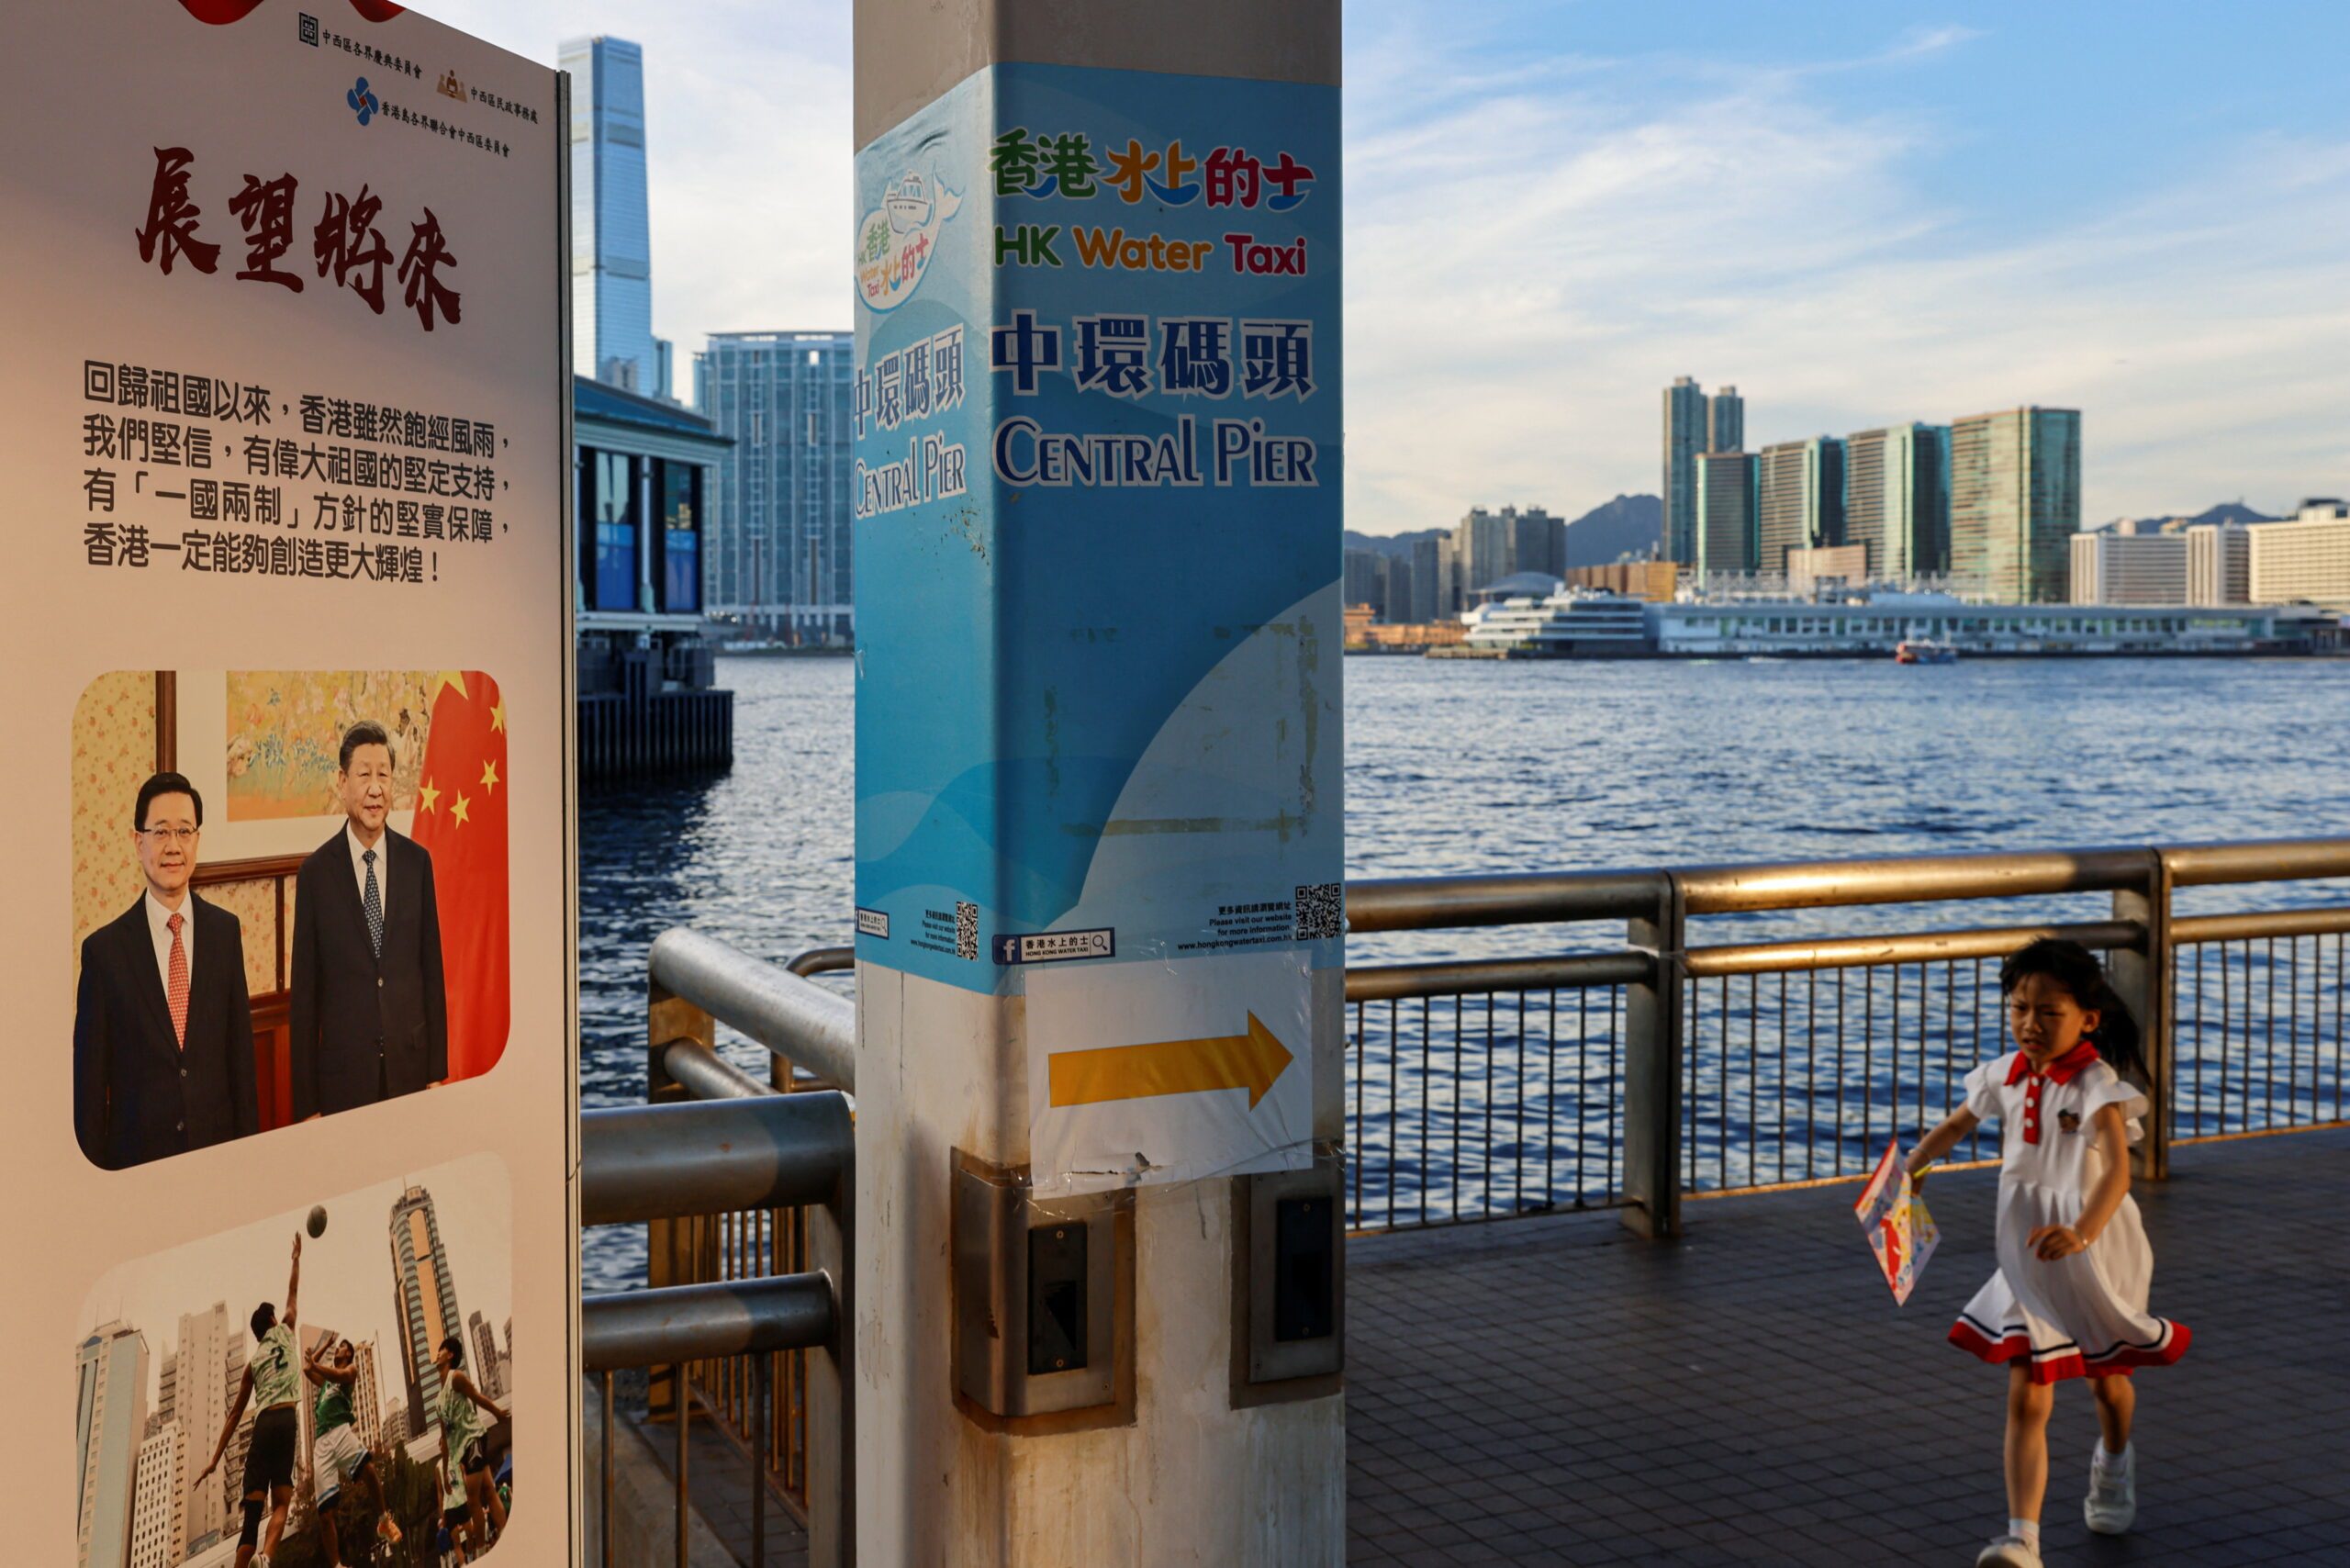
(908, 204)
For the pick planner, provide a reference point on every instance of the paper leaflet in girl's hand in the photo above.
(1901, 1233)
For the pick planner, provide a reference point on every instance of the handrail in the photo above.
(793, 1017)
(821, 961)
(1418, 903)
(701, 1156)
(1932, 946)
(706, 1322)
(1565, 971)
(703, 1074)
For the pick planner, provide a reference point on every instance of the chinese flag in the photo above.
(461, 822)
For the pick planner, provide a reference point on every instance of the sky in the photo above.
(347, 1284)
(1857, 213)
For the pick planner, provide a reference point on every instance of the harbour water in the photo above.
(1476, 767)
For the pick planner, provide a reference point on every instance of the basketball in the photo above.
(317, 1219)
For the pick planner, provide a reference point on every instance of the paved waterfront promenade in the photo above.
(1554, 1391)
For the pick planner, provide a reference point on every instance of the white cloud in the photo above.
(1531, 261)
(1533, 250)
(748, 149)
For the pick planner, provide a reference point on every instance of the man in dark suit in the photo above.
(370, 1012)
(162, 1028)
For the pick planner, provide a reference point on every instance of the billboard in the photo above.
(287, 642)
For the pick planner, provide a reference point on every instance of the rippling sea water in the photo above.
(1469, 767)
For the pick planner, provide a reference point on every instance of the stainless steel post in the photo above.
(1653, 1026)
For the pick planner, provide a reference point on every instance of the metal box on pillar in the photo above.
(1100, 856)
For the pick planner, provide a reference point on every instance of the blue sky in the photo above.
(1857, 213)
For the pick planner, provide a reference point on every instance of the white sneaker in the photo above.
(2008, 1551)
(2113, 1501)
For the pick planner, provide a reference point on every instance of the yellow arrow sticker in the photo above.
(1250, 1062)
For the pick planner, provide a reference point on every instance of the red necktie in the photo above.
(175, 987)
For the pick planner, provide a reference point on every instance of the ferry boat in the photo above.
(907, 202)
(1925, 651)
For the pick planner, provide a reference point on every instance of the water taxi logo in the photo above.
(363, 102)
(896, 240)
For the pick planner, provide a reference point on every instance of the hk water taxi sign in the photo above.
(1097, 538)
(292, 1100)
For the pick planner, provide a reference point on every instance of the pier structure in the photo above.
(649, 704)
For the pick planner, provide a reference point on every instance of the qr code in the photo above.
(967, 930)
(1321, 912)
(307, 28)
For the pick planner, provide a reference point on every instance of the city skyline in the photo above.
(2171, 275)
(347, 1278)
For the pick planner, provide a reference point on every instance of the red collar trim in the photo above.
(2063, 1069)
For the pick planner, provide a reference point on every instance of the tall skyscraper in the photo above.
(1897, 498)
(2218, 564)
(1726, 421)
(612, 232)
(159, 1511)
(198, 1391)
(2015, 501)
(489, 1370)
(1728, 537)
(782, 502)
(367, 1394)
(1358, 578)
(110, 1424)
(1686, 435)
(1799, 498)
(424, 1295)
(1490, 545)
(1430, 557)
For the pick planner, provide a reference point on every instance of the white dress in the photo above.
(2079, 1317)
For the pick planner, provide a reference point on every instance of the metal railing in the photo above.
(746, 1190)
(656, 1163)
(1632, 1076)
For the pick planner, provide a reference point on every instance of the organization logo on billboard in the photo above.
(306, 29)
(451, 87)
(896, 240)
(363, 102)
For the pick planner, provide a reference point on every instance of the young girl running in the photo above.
(2069, 1297)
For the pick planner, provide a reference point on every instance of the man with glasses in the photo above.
(163, 1028)
(370, 1008)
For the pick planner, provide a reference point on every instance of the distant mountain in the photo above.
(1628, 525)
(2226, 511)
(1392, 543)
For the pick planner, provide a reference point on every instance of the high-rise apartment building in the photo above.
(2015, 501)
(489, 1366)
(110, 1425)
(2129, 568)
(200, 1387)
(612, 230)
(782, 501)
(2305, 559)
(1430, 561)
(2218, 564)
(1897, 498)
(1490, 545)
(159, 1508)
(1686, 418)
(1799, 498)
(1358, 578)
(424, 1295)
(1395, 587)
(1726, 421)
(1728, 537)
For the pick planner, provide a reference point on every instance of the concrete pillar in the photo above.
(1099, 815)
